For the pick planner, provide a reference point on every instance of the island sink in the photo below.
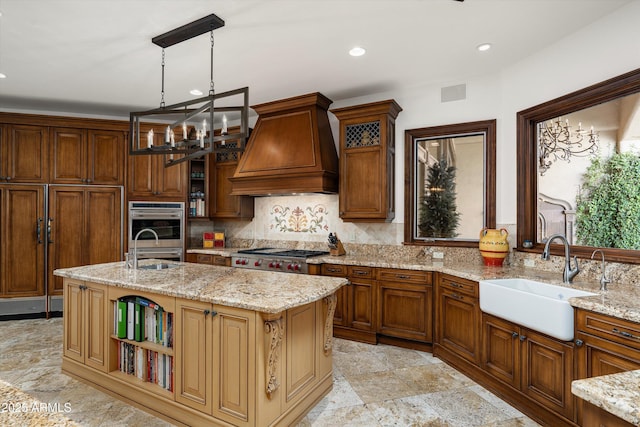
(159, 266)
(536, 305)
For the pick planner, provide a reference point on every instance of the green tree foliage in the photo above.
(608, 204)
(438, 216)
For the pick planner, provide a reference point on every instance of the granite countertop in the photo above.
(618, 394)
(263, 291)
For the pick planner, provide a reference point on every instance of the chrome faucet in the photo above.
(604, 279)
(569, 273)
(134, 262)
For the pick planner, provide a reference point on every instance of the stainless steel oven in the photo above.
(167, 219)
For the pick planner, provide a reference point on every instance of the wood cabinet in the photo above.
(597, 417)
(222, 205)
(85, 323)
(223, 261)
(605, 345)
(458, 317)
(24, 154)
(405, 300)
(149, 179)
(539, 366)
(361, 298)
(198, 187)
(367, 161)
(81, 156)
(340, 313)
(22, 240)
(84, 227)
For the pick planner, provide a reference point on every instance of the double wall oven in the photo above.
(167, 219)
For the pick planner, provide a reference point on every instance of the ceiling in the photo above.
(95, 57)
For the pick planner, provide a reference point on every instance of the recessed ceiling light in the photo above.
(196, 92)
(357, 51)
(3, 76)
(484, 46)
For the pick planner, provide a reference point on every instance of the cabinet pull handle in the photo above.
(456, 296)
(403, 276)
(579, 343)
(334, 270)
(360, 273)
(39, 230)
(206, 312)
(624, 333)
(455, 285)
(214, 313)
(49, 230)
(514, 335)
(523, 337)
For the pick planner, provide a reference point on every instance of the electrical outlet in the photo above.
(438, 255)
(529, 262)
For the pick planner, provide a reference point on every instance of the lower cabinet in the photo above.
(201, 329)
(535, 364)
(405, 299)
(211, 259)
(604, 345)
(85, 323)
(340, 313)
(596, 417)
(458, 317)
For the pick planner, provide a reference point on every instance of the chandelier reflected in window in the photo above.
(556, 141)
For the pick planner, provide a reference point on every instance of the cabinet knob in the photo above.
(206, 312)
(579, 343)
(88, 181)
(523, 337)
(514, 335)
(8, 178)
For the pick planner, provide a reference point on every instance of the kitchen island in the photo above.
(214, 345)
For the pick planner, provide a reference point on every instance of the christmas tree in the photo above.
(438, 216)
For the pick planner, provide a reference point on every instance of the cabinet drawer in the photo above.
(221, 261)
(204, 259)
(334, 270)
(463, 286)
(610, 328)
(405, 276)
(360, 272)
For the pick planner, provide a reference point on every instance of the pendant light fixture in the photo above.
(186, 130)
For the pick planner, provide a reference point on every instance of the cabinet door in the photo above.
(95, 326)
(361, 304)
(66, 241)
(234, 365)
(140, 179)
(222, 204)
(73, 346)
(547, 372)
(596, 357)
(68, 155)
(362, 193)
(501, 349)
(192, 343)
(22, 254)
(171, 182)
(103, 224)
(105, 157)
(27, 154)
(404, 310)
(459, 324)
(340, 314)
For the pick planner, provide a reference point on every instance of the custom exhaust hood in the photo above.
(291, 150)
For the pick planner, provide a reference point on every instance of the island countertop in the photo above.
(263, 291)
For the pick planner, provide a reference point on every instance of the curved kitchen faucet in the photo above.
(603, 279)
(569, 273)
(135, 245)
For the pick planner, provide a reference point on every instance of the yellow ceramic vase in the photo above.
(494, 246)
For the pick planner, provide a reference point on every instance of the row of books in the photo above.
(197, 207)
(139, 319)
(147, 365)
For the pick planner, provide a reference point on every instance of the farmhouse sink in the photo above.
(539, 306)
(159, 266)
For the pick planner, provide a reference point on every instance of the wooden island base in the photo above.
(226, 365)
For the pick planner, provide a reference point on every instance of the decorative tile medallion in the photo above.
(310, 219)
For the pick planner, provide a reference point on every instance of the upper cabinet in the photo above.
(23, 154)
(367, 159)
(222, 205)
(80, 156)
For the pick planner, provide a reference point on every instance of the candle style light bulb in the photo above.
(173, 140)
(202, 139)
(184, 131)
(224, 124)
(150, 139)
(167, 135)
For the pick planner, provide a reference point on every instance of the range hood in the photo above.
(291, 150)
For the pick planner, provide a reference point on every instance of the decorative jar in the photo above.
(494, 246)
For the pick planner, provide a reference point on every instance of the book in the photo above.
(121, 319)
(138, 330)
(145, 302)
(130, 320)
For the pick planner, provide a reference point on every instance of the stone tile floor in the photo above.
(374, 386)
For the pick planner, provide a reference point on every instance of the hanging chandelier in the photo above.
(186, 130)
(557, 141)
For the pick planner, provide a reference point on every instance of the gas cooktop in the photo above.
(275, 259)
(297, 253)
